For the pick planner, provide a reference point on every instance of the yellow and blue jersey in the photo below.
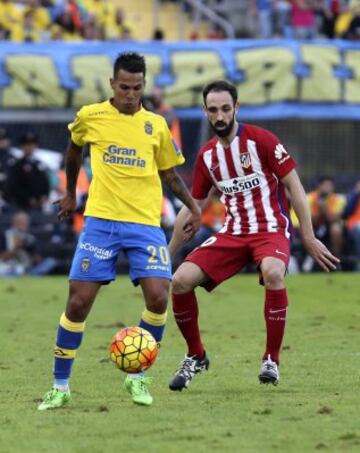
(126, 153)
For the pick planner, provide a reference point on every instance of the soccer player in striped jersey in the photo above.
(131, 152)
(251, 169)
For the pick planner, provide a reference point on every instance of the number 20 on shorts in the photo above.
(156, 252)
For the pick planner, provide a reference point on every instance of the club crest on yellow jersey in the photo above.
(148, 128)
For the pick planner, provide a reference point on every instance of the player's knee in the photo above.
(157, 302)
(78, 306)
(180, 284)
(273, 276)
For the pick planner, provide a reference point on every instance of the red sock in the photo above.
(186, 315)
(276, 303)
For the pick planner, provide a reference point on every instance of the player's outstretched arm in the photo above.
(315, 248)
(179, 235)
(73, 160)
(179, 189)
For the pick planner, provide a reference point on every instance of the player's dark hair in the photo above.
(130, 62)
(220, 85)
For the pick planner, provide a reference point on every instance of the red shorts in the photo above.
(224, 255)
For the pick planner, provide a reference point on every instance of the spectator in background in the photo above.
(263, 11)
(4, 33)
(111, 19)
(56, 33)
(28, 32)
(327, 12)
(18, 254)
(126, 34)
(28, 183)
(10, 18)
(303, 19)
(75, 11)
(353, 31)
(158, 105)
(282, 19)
(24, 24)
(158, 34)
(68, 29)
(343, 20)
(70, 16)
(40, 15)
(91, 29)
(326, 207)
(352, 216)
(115, 25)
(7, 160)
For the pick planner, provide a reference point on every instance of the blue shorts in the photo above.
(101, 241)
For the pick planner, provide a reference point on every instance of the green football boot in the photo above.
(53, 399)
(138, 390)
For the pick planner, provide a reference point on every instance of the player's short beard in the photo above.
(223, 132)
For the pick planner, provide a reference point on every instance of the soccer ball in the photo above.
(133, 349)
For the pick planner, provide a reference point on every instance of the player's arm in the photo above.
(73, 161)
(179, 234)
(178, 237)
(192, 222)
(299, 202)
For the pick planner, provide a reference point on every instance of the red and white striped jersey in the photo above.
(248, 175)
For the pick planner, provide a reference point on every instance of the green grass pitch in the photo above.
(314, 408)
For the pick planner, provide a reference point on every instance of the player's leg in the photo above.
(201, 269)
(94, 263)
(156, 294)
(271, 252)
(276, 302)
(153, 319)
(69, 336)
(185, 307)
(150, 267)
(186, 312)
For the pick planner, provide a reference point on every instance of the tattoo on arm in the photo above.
(177, 186)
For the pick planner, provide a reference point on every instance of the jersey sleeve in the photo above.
(168, 153)
(78, 129)
(278, 158)
(202, 181)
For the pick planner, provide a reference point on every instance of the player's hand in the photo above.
(192, 224)
(67, 206)
(321, 254)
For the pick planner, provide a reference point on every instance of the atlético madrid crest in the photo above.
(148, 128)
(245, 160)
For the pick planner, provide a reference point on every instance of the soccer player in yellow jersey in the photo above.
(132, 152)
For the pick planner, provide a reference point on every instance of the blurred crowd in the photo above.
(76, 20)
(62, 20)
(307, 19)
(31, 180)
(336, 220)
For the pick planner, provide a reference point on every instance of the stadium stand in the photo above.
(142, 20)
(71, 20)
